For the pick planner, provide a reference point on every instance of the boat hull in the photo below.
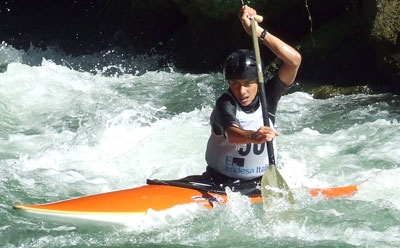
(122, 205)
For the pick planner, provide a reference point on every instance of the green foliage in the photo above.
(334, 35)
(217, 9)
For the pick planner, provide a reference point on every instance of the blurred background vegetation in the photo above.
(343, 42)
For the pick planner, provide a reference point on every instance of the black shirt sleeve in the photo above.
(274, 89)
(224, 113)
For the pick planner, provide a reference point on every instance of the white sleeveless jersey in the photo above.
(246, 161)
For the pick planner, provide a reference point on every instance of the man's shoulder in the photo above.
(273, 81)
(226, 98)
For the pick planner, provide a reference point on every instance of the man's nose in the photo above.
(242, 89)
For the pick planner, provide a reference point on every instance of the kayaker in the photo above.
(236, 150)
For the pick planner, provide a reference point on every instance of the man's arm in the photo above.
(225, 122)
(291, 58)
(239, 136)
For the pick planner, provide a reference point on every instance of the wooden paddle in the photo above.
(272, 183)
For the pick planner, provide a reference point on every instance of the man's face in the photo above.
(244, 90)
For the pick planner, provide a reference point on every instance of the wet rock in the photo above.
(328, 91)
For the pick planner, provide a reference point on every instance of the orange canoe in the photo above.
(119, 205)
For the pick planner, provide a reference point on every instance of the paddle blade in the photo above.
(274, 186)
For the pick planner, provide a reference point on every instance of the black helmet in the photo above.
(241, 64)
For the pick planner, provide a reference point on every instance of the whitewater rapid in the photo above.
(72, 126)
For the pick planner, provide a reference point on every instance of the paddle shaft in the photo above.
(261, 89)
(271, 177)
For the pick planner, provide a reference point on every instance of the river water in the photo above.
(73, 126)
